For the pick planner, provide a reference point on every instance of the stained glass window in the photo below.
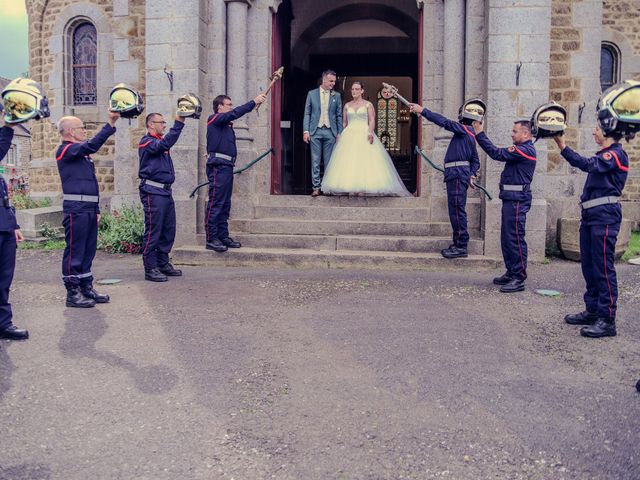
(608, 66)
(85, 59)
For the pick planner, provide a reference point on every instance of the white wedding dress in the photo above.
(358, 167)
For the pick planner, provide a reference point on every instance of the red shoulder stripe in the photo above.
(620, 166)
(64, 150)
(473, 135)
(142, 145)
(528, 157)
(212, 119)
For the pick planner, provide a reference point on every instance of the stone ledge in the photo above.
(569, 238)
(31, 220)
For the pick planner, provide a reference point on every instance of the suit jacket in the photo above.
(312, 109)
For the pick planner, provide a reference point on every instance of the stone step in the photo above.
(338, 227)
(302, 258)
(340, 201)
(350, 242)
(377, 214)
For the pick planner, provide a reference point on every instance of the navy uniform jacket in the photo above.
(77, 171)
(462, 147)
(520, 165)
(155, 159)
(220, 135)
(607, 173)
(8, 221)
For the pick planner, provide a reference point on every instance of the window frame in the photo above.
(613, 49)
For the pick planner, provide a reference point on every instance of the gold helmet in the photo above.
(618, 109)
(548, 120)
(24, 100)
(472, 111)
(126, 101)
(189, 105)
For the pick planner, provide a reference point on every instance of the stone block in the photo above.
(520, 20)
(120, 49)
(120, 8)
(534, 48)
(31, 220)
(503, 48)
(127, 72)
(587, 13)
(569, 238)
(170, 9)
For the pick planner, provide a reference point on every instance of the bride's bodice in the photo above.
(359, 114)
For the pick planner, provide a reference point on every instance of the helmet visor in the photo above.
(627, 105)
(19, 106)
(551, 120)
(473, 111)
(122, 100)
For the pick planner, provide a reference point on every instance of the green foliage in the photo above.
(25, 202)
(48, 231)
(634, 247)
(121, 231)
(48, 245)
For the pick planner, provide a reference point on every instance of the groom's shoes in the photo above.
(316, 192)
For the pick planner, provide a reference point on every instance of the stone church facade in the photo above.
(516, 54)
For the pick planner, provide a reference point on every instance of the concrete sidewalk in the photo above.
(259, 373)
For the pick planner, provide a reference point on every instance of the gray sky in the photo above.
(14, 39)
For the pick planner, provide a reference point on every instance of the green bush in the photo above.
(634, 247)
(121, 231)
(48, 231)
(25, 202)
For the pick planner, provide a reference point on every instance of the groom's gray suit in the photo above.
(323, 137)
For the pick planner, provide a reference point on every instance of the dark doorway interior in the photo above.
(369, 58)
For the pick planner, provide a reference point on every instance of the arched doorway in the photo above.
(370, 42)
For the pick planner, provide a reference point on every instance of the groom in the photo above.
(322, 125)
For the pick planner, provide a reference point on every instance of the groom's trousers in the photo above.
(321, 142)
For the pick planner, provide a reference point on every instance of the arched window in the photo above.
(84, 49)
(609, 65)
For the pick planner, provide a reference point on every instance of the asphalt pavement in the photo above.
(262, 373)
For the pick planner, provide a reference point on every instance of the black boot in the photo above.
(582, 318)
(89, 292)
(502, 280)
(169, 271)
(230, 243)
(76, 299)
(454, 252)
(602, 328)
(13, 333)
(216, 245)
(513, 285)
(154, 275)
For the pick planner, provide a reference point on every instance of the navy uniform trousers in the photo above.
(457, 201)
(220, 177)
(597, 251)
(8, 248)
(159, 229)
(81, 237)
(512, 231)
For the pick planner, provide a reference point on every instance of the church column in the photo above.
(517, 82)
(237, 20)
(454, 26)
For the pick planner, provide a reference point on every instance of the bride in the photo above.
(360, 165)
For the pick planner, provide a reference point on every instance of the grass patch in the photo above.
(634, 247)
(48, 245)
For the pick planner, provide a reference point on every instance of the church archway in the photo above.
(370, 42)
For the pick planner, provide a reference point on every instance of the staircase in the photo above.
(338, 232)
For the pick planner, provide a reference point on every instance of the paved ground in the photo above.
(318, 374)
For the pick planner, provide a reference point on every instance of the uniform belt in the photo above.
(596, 202)
(515, 188)
(224, 157)
(166, 186)
(456, 164)
(81, 198)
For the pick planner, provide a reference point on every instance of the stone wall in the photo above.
(623, 18)
(48, 20)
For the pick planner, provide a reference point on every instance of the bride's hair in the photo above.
(359, 83)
